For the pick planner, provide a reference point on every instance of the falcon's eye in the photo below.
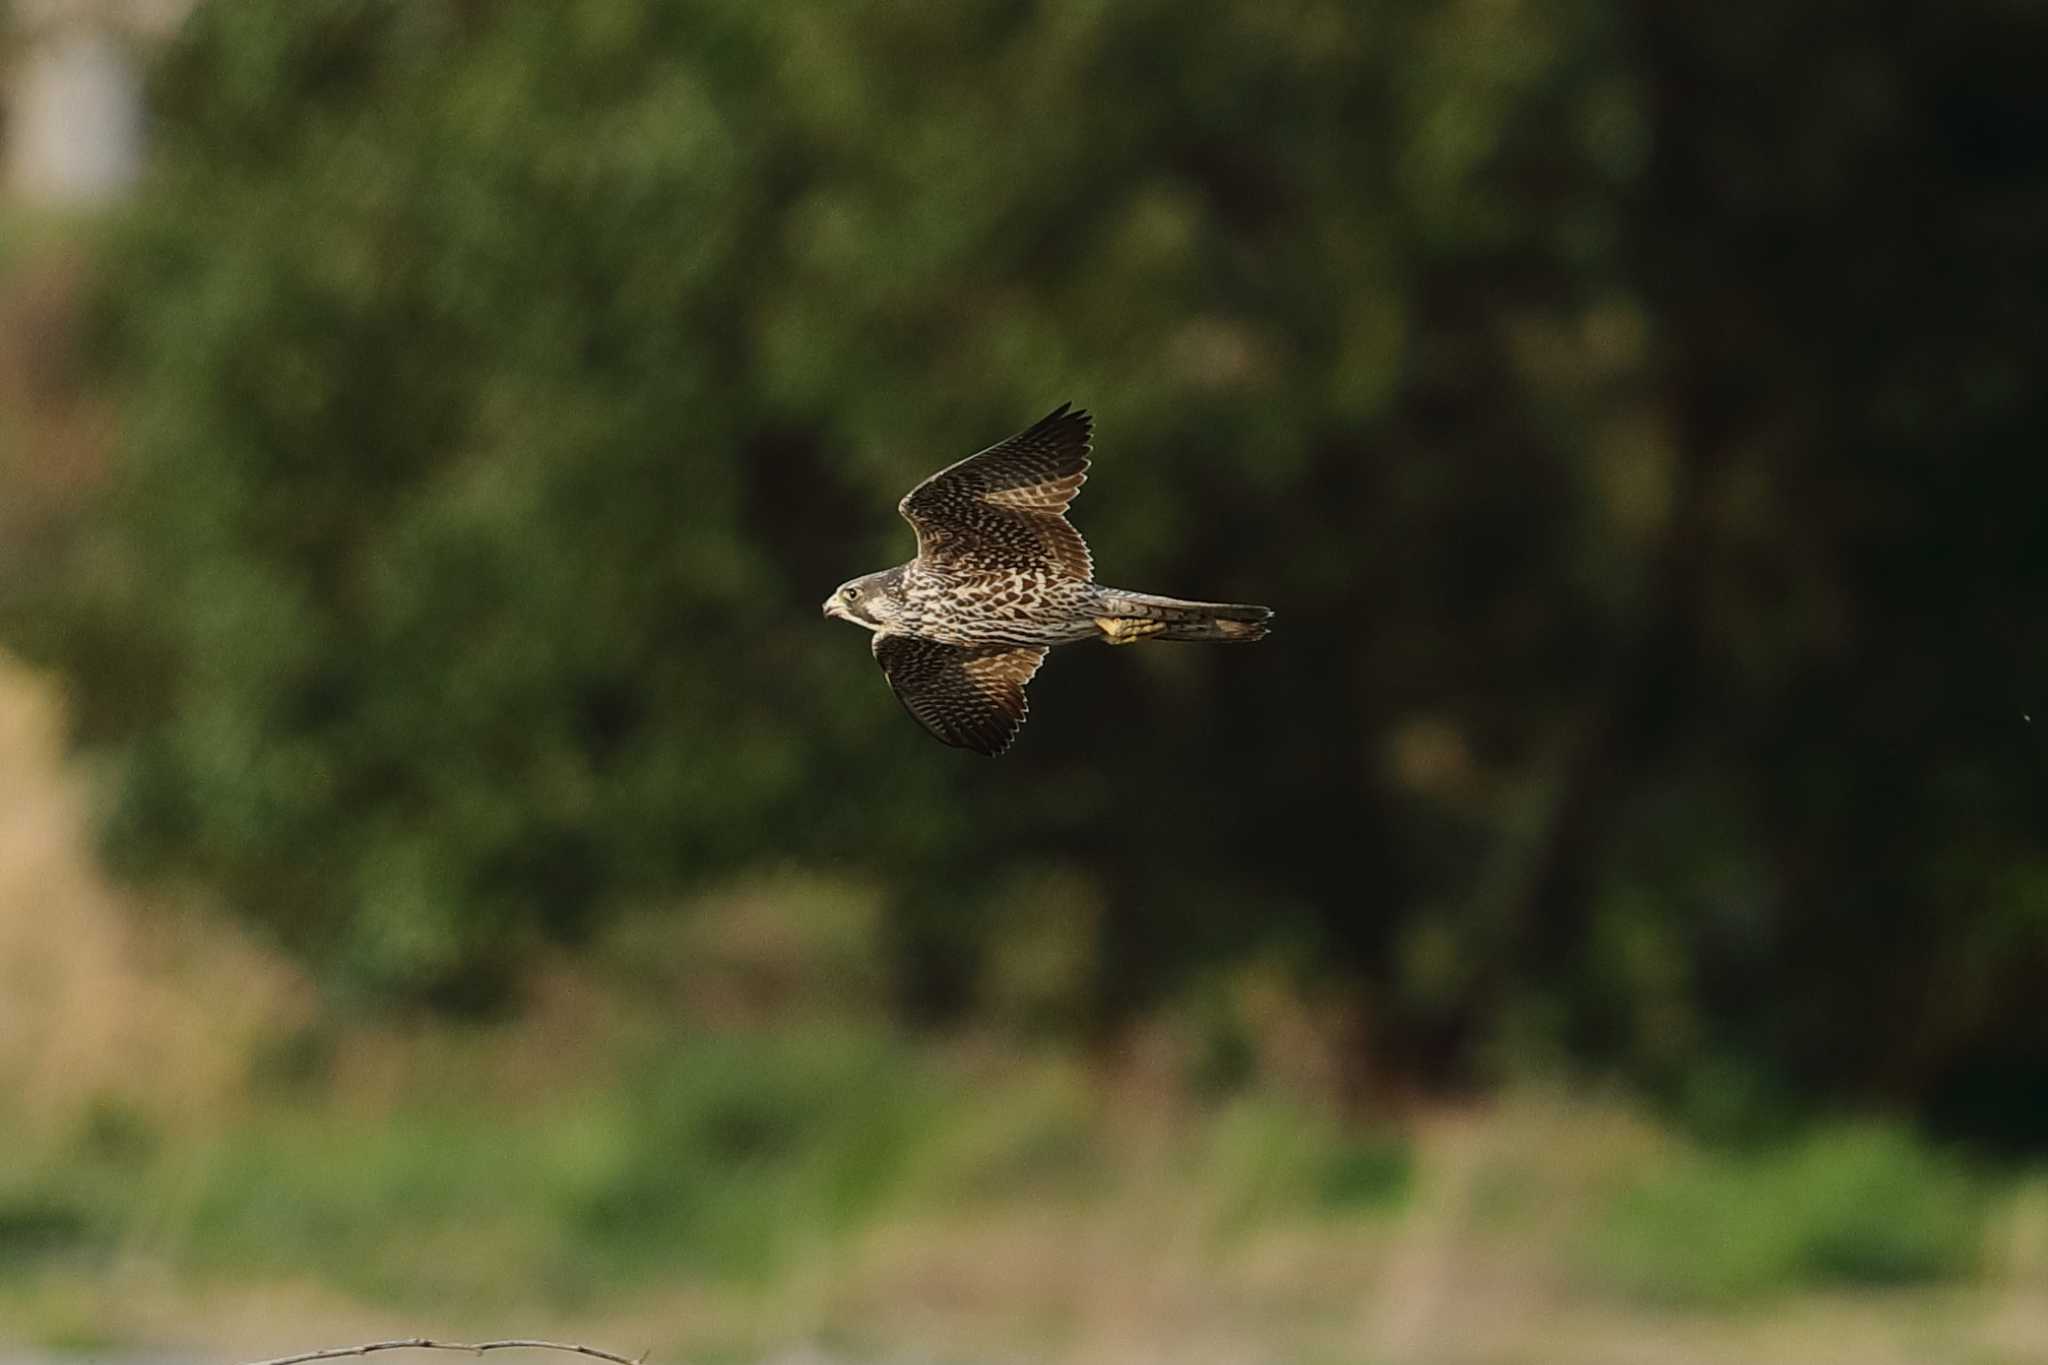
(853, 594)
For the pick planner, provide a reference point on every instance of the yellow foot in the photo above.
(1127, 632)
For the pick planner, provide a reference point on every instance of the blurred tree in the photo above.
(504, 385)
(1631, 411)
(1826, 710)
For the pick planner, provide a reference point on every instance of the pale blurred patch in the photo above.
(99, 1003)
(1428, 755)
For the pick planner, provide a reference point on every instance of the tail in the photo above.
(1216, 622)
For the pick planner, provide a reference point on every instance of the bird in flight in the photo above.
(1001, 576)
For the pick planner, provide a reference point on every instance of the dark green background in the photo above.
(1634, 413)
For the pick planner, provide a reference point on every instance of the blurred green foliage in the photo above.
(1270, 1153)
(1844, 1206)
(725, 1161)
(633, 1145)
(733, 1162)
(504, 387)
(1634, 413)
(748, 1151)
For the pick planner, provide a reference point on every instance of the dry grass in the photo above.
(95, 1003)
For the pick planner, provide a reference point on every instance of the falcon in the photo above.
(1000, 577)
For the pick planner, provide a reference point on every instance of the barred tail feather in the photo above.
(1215, 622)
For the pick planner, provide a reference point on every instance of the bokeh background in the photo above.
(451, 880)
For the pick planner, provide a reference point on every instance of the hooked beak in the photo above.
(833, 609)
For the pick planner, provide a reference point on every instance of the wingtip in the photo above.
(1081, 418)
(1066, 415)
(987, 745)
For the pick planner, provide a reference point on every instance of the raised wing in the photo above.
(971, 698)
(1004, 508)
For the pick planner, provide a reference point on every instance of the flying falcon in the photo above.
(1000, 577)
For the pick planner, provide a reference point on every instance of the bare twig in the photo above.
(473, 1347)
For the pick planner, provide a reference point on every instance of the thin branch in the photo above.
(473, 1347)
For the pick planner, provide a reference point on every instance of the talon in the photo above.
(1120, 632)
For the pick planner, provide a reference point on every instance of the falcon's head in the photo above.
(873, 601)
